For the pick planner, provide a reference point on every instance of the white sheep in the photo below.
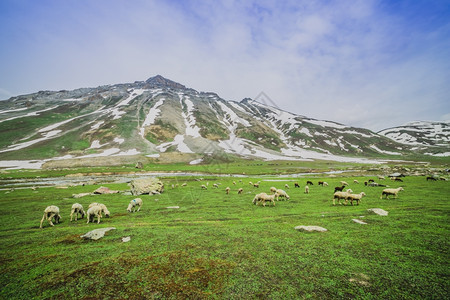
(286, 186)
(344, 183)
(388, 192)
(240, 190)
(280, 193)
(263, 198)
(273, 190)
(77, 208)
(356, 181)
(381, 177)
(215, 185)
(355, 197)
(203, 187)
(227, 190)
(134, 203)
(51, 212)
(306, 189)
(103, 207)
(340, 195)
(92, 212)
(325, 183)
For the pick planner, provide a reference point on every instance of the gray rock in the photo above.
(96, 233)
(151, 186)
(378, 211)
(310, 228)
(359, 221)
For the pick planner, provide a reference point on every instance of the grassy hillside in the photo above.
(222, 246)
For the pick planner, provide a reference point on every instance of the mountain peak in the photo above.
(160, 81)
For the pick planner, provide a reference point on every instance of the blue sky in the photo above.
(369, 63)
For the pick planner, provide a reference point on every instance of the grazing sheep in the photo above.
(380, 177)
(234, 182)
(356, 181)
(263, 198)
(376, 184)
(256, 185)
(184, 184)
(371, 180)
(309, 183)
(431, 178)
(340, 195)
(77, 208)
(388, 192)
(344, 183)
(286, 186)
(134, 203)
(320, 183)
(103, 207)
(215, 185)
(227, 190)
(273, 190)
(240, 191)
(92, 212)
(51, 212)
(354, 197)
(280, 193)
(397, 179)
(325, 183)
(296, 185)
(306, 189)
(203, 187)
(251, 183)
(339, 188)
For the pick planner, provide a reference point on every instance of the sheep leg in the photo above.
(43, 218)
(98, 218)
(49, 219)
(139, 208)
(71, 214)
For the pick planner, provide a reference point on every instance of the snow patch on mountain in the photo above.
(151, 116)
(189, 120)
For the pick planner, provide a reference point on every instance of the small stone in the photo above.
(172, 207)
(359, 221)
(378, 211)
(96, 233)
(310, 228)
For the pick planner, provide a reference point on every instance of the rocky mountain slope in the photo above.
(424, 135)
(159, 116)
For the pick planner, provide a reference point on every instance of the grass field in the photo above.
(218, 246)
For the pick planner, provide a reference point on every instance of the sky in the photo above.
(364, 63)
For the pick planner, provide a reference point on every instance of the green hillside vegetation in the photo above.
(218, 246)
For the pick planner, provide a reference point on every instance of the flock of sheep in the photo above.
(96, 210)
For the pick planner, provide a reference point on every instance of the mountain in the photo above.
(433, 137)
(160, 118)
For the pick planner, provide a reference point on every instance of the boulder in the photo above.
(96, 233)
(378, 211)
(150, 185)
(105, 190)
(310, 228)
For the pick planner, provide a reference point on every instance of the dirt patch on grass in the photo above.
(175, 275)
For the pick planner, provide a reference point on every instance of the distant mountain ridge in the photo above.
(160, 116)
(420, 134)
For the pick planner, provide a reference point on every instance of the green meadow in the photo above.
(219, 246)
